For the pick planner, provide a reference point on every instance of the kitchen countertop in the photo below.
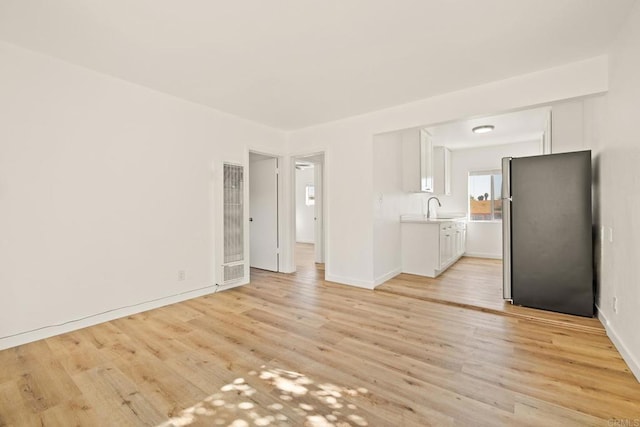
(422, 219)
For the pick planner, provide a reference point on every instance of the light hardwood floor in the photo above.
(296, 350)
(476, 284)
(305, 256)
(305, 259)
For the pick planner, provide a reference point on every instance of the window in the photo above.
(485, 203)
(310, 195)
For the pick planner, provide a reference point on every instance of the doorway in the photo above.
(263, 212)
(309, 192)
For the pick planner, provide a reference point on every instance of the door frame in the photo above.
(325, 204)
(318, 212)
(280, 205)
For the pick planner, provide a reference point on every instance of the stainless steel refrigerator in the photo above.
(547, 232)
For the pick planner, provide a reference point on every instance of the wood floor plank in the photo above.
(14, 410)
(46, 385)
(531, 411)
(76, 411)
(167, 391)
(116, 399)
(75, 353)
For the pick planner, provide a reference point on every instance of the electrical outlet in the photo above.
(615, 304)
(182, 275)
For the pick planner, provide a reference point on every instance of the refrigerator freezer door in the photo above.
(506, 228)
(551, 236)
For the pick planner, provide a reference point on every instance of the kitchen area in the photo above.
(437, 200)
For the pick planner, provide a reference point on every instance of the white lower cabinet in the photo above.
(430, 247)
(460, 239)
(446, 244)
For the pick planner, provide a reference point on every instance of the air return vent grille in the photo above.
(233, 272)
(233, 223)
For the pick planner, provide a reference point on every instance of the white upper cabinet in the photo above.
(442, 171)
(417, 160)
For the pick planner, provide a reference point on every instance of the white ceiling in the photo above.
(294, 63)
(518, 126)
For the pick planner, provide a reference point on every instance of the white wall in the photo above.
(618, 195)
(577, 124)
(349, 147)
(305, 230)
(107, 190)
(389, 203)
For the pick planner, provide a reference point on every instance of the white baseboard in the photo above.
(390, 275)
(631, 361)
(72, 325)
(232, 285)
(349, 281)
(306, 241)
(482, 255)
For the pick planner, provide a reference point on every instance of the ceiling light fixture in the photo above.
(483, 129)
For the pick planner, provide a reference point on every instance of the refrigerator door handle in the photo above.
(506, 228)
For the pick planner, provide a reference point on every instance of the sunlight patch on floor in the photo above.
(237, 405)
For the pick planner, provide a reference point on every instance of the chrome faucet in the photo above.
(429, 202)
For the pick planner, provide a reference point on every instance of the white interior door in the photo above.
(263, 214)
(319, 210)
